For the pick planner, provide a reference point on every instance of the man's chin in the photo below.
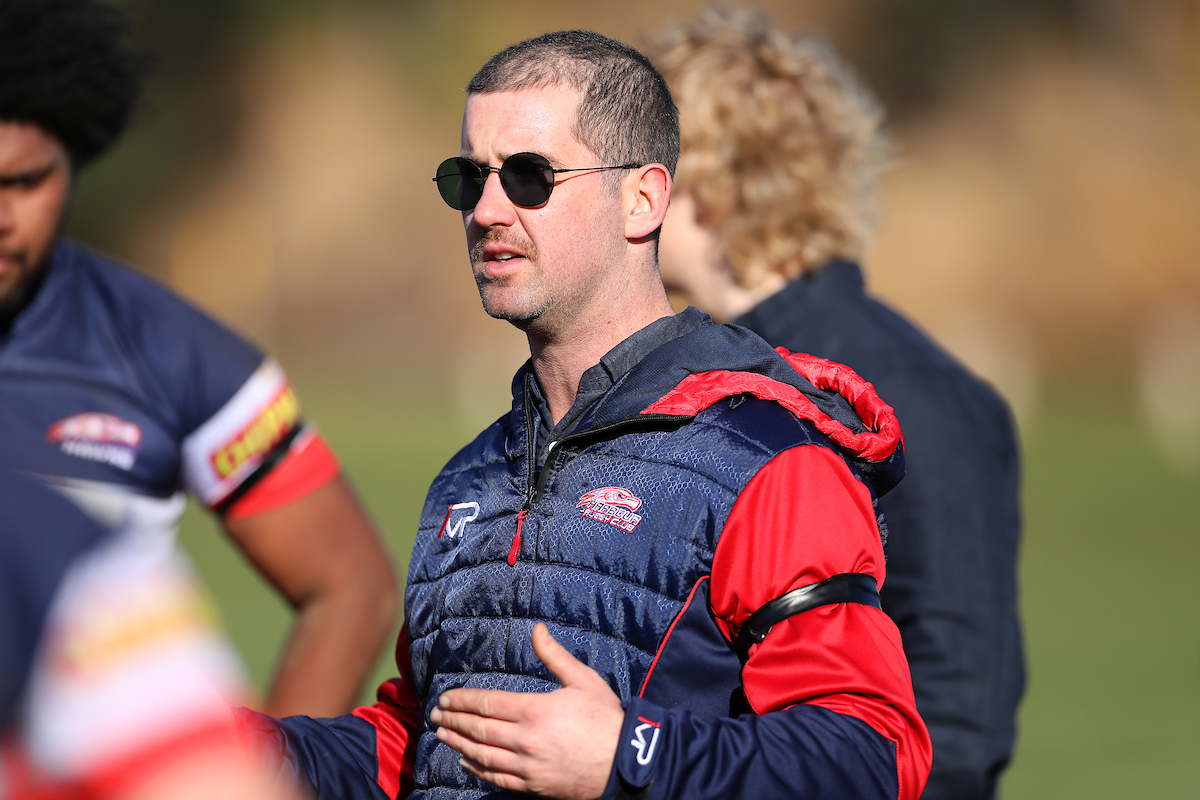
(519, 319)
(521, 314)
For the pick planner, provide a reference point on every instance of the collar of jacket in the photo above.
(686, 375)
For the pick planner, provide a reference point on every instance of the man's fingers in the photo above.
(505, 780)
(484, 702)
(485, 730)
(568, 669)
(490, 755)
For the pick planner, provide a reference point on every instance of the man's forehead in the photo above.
(22, 143)
(522, 120)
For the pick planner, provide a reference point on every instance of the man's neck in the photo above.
(561, 359)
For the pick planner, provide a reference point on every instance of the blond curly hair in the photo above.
(780, 144)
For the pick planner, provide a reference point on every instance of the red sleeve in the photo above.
(804, 518)
(395, 717)
(308, 466)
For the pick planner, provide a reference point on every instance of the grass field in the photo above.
(1110, 566)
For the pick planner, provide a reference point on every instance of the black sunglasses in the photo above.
(527, 179)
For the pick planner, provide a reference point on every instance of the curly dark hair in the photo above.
(67, 67)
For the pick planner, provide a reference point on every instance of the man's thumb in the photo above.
(557, 658)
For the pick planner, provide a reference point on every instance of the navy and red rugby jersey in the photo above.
(117, 371)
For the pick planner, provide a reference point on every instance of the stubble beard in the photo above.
(525, 311)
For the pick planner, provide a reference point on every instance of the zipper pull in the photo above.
(516, 542)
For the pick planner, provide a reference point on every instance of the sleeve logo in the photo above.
(611, 505)
(260, 435)
(645, 750)
(98, 437)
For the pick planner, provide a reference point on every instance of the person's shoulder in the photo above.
(843, 321)
(942, 405)
(176, 343)
(917, 362)
(138, 299)
(494, 446)
(760, 426)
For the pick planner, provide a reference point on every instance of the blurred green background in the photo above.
(1042, 219)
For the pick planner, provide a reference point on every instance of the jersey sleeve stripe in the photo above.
(308, 465)
(230, 446)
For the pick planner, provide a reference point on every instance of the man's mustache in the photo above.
(494, 237)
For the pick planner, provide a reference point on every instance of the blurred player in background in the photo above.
(114, 682)
(775, 194)
(119, 372)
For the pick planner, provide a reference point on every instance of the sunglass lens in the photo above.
(459, 182)
(527, 179)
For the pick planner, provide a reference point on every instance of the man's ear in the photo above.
(649, 189)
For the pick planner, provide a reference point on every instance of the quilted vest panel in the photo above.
(609, 553)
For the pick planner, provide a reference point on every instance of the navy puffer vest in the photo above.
(617, 534)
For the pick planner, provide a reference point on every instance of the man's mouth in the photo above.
(495, 252)
(497, 258)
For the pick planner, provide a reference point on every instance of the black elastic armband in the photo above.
(849, 587)
(273, 457)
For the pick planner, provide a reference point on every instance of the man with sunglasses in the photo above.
(657, 577)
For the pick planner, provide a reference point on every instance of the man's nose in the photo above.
(494, 207)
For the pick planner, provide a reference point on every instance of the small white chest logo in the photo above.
(98, 437)
(645, 750)
(457, 518)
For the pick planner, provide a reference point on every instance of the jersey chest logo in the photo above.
(98, 437)
(612, 505)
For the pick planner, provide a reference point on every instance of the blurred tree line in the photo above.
(906, 50)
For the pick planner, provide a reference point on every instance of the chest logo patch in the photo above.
(612, 505)
(454, 523)
(98, 437)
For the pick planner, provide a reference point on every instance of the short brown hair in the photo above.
(781, 145)
(626, 114)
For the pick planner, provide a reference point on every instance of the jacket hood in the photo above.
(695, 371)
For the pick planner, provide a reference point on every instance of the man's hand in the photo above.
(559, 744)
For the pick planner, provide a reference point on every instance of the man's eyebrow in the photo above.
(30, 175)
